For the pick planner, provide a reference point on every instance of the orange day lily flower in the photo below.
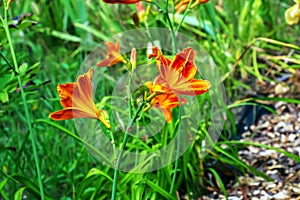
(113, 55)
(178, 75)
(121, 1)
(181, 5)
(165, 102)
(77, 100)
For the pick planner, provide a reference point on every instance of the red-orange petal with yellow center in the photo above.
(165, 101)
(65, 92)
(72, 112)
(184, 63)
(178, 75)
(77, 100)
(167, 113)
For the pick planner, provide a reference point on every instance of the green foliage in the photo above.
(244, 39)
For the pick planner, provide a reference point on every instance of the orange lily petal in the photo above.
(156, 52)
(184, 63)
(193, 88)
(84, 90)
(165, 102)
(181, 5)
(77, 100)
(72, 112)
(65, 92)
(113, 55)
(161, 61)
(167, 113)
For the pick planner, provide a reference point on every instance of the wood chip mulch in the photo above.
(281, 130)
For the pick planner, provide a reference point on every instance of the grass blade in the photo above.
(244, 143)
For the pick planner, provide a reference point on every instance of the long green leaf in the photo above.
(73, 135)
(27, 183)
(60, 35)
(278, 43)
(243, 164)
(287, 100)
(288, 154)
(95, 171)
(158, 189)
(219, 181)
(3, 183)
(19, 194)
(91, 30)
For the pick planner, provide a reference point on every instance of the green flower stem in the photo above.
(129, 95)
(183, 17)
(114, 187)
(113, 142)
(165, 11)
(6, 29)
(177, 151)
(148, 33)
(171, 27)
(27, 116)
(7, 62)
(154, 94)
(167, 15)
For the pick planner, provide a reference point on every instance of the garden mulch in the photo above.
(281, 130)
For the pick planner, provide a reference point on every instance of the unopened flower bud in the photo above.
(133, 56)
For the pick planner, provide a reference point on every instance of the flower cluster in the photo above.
(176, 77)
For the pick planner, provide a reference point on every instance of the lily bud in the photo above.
(133, 56)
